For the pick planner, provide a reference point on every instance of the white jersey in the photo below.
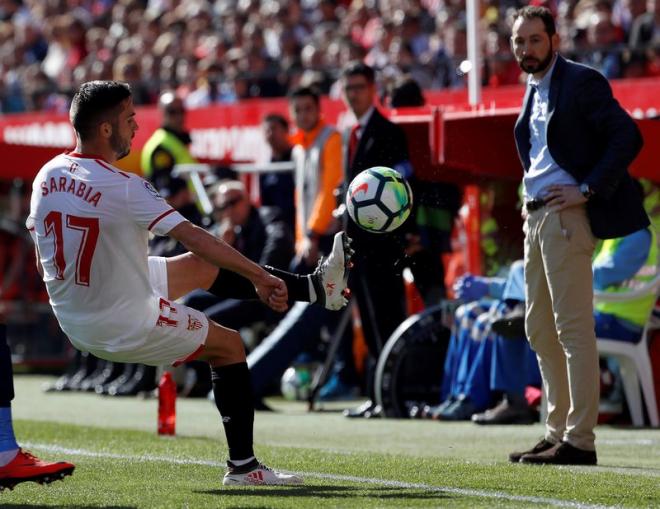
(91, 224)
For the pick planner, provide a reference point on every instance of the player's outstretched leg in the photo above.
(326, 286)
(331, 276)
(26, 467)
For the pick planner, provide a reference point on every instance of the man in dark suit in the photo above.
(575, 143)
(376, 277)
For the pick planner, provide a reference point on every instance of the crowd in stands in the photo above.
(225, 50)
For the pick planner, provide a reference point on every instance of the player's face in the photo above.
(532, 46)
(358, 94)
(123, 130)
(305, 112)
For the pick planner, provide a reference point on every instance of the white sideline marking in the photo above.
(333, 477)
(629, 441)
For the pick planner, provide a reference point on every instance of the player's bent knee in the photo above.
(223, 346)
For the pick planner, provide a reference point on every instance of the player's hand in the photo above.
(469, 287)
(559, 197)
(272, 291)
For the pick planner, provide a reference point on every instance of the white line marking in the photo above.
(632, 441)
(332, 477)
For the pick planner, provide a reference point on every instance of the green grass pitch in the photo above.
(122, 463)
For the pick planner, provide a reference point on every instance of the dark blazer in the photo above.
(591, 137)
(382, 143)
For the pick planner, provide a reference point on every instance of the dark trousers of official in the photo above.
(378, 290)
(6, 373)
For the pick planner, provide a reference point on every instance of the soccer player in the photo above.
(17, 465)
(90, 222)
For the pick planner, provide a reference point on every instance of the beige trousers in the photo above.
(559, 320)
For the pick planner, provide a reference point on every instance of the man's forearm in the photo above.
(215, 251)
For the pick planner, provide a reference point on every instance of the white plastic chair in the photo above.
(634, 358)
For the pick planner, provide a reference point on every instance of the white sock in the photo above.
(312, 292)
(6, 457)
(240, 463)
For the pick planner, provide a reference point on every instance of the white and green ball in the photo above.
(379, 199)
(296, 382)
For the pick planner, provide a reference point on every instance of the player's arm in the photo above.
(33, 236)
(271, 290)
(37, 260)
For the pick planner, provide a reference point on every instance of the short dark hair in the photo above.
(359, 68)
(276, 118)
(96, 102)
(306, 92)
(543, 13)
(406, 92)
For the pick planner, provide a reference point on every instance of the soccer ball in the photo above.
(296, 382)
(379, 199)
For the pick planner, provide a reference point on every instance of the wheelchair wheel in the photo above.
(411, 364)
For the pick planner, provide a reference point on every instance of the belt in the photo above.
(536, 204)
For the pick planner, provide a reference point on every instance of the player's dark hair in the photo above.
(276, 118)
(306, 92)
(543, 13)
(96, 102)
(359, 68)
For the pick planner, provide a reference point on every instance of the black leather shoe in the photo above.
(512, 324)
(367, 410)
(543, 445)
(506, 413)
(561, 454)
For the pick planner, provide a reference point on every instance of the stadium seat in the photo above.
(634, 359)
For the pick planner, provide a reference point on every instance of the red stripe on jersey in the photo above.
(191, 357)
(164, 214)
(107, 167)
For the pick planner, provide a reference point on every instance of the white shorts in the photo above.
(178, 335)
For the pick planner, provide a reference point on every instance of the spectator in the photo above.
(644, 31)
(317, 158)
(376, 280)
(259, 234)
(276, 189)
(168, 145)
(16, 464)
(466, 387)
(603, 55)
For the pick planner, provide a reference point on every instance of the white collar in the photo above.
(364, 119)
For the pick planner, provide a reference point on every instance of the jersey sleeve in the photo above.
(149, 209)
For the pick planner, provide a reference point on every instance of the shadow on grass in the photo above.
(310, 490)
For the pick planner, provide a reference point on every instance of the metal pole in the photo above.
(474, 52)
